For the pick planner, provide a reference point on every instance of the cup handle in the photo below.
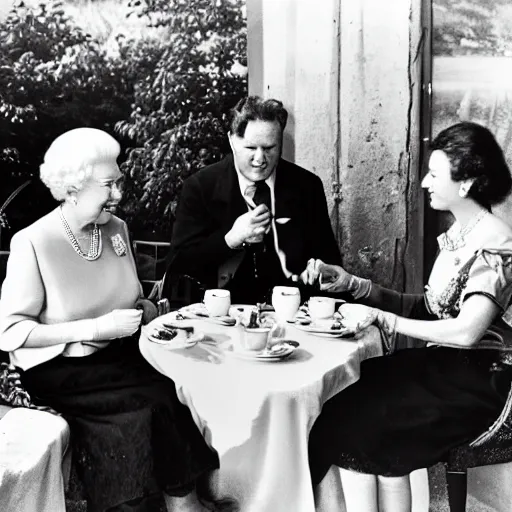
(338, 303)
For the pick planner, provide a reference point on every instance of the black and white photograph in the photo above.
(255, 255)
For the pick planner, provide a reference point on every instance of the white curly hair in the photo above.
(70, 159)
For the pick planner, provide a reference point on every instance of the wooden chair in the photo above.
(151, 260)
(492, 447)
(181, 290)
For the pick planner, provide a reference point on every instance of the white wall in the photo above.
(293, 53)
(344, 70)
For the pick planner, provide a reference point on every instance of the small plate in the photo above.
(278, 352)
(198, 312)
(344, 334)
(174, 343)
(322, 331)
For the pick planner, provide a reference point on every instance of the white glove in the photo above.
(117, 324)
(335, 279)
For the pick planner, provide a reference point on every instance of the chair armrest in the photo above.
(502, 425)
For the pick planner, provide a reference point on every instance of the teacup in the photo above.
(255, 338)
(321, 307)
(286, 302)
(217, 302)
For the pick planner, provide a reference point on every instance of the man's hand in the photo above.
(249, 227)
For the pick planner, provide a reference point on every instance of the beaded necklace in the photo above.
(450, 241)
(95, 247)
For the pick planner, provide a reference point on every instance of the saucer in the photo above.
(198, 309)
(198, 312)
(157, 334)
(278, 352)
(326, 332)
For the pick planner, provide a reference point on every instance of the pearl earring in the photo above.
(463, 192)
(73, 201)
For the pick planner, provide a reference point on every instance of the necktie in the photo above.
(262, 194)
(260, 254)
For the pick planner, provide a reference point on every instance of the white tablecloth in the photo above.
(258, 415)
(33, 466)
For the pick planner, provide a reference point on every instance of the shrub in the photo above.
(471, 27)
(178, 121)
(53, 77)
(165, 98)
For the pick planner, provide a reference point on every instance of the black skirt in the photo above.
(130, 434)
(408, 410)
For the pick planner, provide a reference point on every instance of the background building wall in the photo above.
(349, 75)
(293, 55)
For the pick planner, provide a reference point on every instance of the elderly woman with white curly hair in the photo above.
(70, 309)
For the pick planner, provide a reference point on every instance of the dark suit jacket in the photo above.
(210, 203)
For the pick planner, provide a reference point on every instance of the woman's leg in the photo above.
(360, 491)
(419, 490)
(394, 493)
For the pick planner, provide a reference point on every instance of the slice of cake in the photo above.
(172, 331)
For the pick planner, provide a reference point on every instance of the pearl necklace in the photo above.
(95, 246)
(450, 242)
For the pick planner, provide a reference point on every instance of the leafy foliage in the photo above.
(178, 123)
(165, 98)
(471, 27)
(53, 77)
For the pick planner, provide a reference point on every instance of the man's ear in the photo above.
(230, 139)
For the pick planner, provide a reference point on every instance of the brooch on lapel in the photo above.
(118, 244)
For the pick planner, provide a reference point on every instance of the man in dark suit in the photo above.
(253, 220)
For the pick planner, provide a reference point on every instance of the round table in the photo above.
(258, 415)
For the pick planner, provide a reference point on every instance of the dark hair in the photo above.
(474, 153)
(254, 108)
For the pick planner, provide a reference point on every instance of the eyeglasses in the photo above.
(113, 184)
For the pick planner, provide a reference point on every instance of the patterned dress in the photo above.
(410, 408)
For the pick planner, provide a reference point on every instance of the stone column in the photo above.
(293, 56)
(349, 73)
(379, 169)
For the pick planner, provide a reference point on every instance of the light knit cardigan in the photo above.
(48, 282)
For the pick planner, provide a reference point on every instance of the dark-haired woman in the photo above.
(410, 408)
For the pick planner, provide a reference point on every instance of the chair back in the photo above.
(500, 428)
(150, 257)
(181, 290)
